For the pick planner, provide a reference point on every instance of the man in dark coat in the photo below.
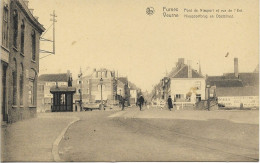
(169, 101)
(141, 102)
(123, 103)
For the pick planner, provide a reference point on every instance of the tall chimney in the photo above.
(236, 67)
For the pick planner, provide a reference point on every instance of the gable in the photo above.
(183, 73)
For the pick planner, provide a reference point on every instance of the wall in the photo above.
(184, 85)
(85, 90)
(29, 68)
(235, 101)
(95, 89)
(133, 95)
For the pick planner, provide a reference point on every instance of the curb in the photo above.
(55, 145)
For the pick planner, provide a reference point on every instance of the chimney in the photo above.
(26, 2)
(236, 67)
(31, 10)
(189, 69)
(180, 61)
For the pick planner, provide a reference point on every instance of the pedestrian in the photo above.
(141, 102)
(123, 103)
(169, 101)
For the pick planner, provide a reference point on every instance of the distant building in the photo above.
(235, 89)
(120, 87)
(20, 31)
(84, 87)
(183, 83)
(45, 83)
(108, 93)
(133, 96)
(123, 89)
(187, 85)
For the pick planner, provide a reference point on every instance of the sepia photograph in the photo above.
(129, 80)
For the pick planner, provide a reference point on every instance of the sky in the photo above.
(119, 35)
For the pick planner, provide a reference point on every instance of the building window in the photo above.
(178, 96)
(31, 90)
(14, 74)
(5, 27)
(198, 97)
(22, 37)
(21, 85)
(15, 28)
(33, 45)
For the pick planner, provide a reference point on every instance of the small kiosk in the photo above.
(62, 98)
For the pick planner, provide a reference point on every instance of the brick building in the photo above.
(83, 87)
(45, 82)
(20, 41)
(108, 91)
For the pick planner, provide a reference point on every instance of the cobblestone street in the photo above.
(160, 135)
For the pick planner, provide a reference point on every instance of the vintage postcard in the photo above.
(129, 80)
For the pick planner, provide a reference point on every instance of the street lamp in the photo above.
(80, 93)
(101, 83)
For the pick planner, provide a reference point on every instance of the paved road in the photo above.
(126, 136)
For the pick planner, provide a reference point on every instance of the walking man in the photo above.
(123, 103)
(169, 101)
(141, 102)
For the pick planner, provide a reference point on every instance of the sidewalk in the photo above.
(32, 139)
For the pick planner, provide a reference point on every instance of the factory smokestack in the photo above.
(236, 67)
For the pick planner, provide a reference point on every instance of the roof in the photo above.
(63, 77)
(248, 79)
(123, 80)
(30, 16)
(183, 73)
(173, 72)
(132, 86)
(220, 82)
(229, 80)
(237, 91)
(63, 89)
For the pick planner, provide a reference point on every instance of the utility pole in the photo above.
(53, 21)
